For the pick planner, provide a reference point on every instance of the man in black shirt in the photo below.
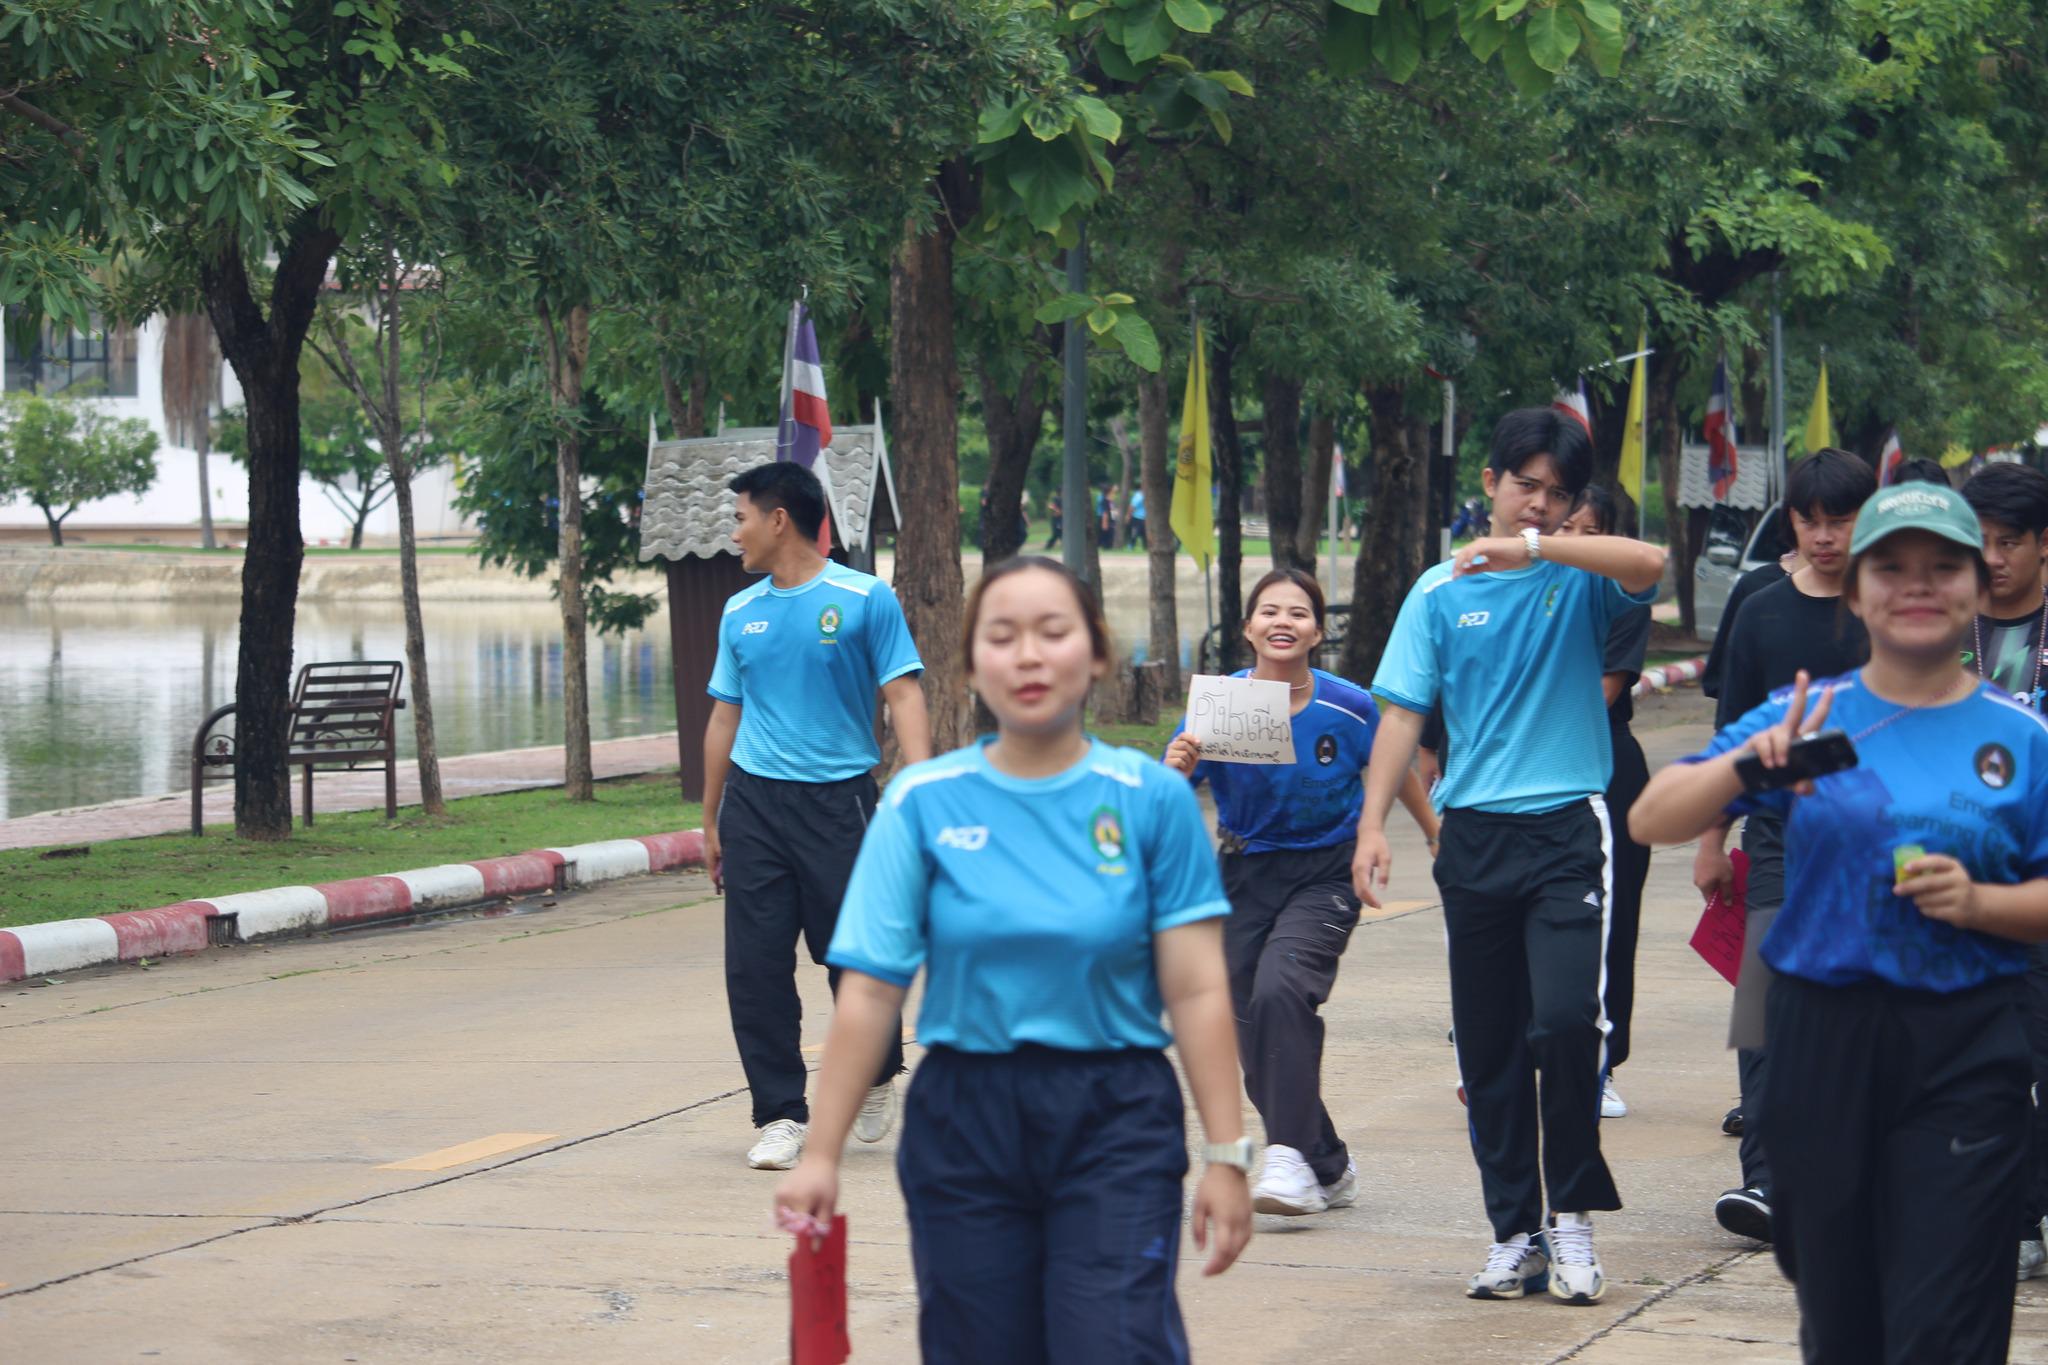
(2011, 502)
(1795, 624)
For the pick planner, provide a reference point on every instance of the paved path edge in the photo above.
(68, 945)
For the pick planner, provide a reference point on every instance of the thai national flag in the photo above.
(1890, 458)
(1722, 460)
(806, 424)
(1575, 406)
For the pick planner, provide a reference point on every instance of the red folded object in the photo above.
(817, 1298)
(1718, 936)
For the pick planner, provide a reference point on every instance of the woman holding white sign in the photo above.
(1288, 832)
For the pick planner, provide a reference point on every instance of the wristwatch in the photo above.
(1533, 538)
(1238, 1154)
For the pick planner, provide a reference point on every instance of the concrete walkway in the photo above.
(518, 1139)
(334, 791)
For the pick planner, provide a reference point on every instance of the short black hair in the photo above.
(790, 486)
(1833, 480)
(1922, 470)
(1522, 435)
(2015, 495)
(1606, 507)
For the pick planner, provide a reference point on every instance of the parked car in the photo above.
(1732, 550)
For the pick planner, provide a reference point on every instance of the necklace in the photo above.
(1936, 700)
(2032, 695)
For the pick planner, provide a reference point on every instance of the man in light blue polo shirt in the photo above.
(1509, 635)
(788, 780)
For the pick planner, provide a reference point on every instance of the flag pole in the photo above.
(784, 436)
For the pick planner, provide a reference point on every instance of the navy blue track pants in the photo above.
(1044, 1195)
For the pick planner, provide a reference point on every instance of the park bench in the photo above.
(343, 716)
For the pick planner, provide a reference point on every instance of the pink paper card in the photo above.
(1718, 936)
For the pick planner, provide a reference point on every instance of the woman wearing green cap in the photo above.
(1895, 1115)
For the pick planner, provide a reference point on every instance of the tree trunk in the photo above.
(1120, 519)
(1227, 455)
(1388, 558)
(355, 533)
(56, 526)
(424, 748)
(1163, 643)
(265, 353)
(685, 406)
(1315, 490)
(1663, 411)
(1284, 512)
(568, 352)
(1014, 424)
(925, 381)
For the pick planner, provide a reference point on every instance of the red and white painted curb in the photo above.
(1670, 675)
(69, 944)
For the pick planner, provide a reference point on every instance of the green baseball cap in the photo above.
(1916, 507)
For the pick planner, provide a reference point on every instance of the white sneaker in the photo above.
(877, 1113)
(1575, 1274)
(1612, 1105)
(2033, 1255)
(1287, 1186)
(1344, 1192)
(782, 1142)
(1513, 1268)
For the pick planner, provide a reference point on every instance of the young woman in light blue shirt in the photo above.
(1058, 895)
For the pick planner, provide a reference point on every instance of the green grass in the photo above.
(1150, 738)
(136, 874)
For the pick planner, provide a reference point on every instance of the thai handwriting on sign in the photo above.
(1241, 720)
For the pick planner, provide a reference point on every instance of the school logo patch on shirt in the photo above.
(1326, 750)
(829, 620)
(1995, 766)
(1550, 601)
(1108, 829)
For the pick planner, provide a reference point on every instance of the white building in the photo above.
(124, 372)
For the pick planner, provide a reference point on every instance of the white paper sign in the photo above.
(1241, 720)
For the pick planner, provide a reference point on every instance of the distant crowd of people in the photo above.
(1879, 741)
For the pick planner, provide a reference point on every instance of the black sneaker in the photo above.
(1731, 1122)
(1745, 1212)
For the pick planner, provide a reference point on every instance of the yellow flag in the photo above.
(1192, 518)
(1820, 434)
(1955, 457)
(1632, 435)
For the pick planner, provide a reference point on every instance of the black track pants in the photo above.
(1291, 915)
(1625, 912)
(1525, 911)
(789, 849)
(1896, 1123)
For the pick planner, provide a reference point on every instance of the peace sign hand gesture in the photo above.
(1773, 746)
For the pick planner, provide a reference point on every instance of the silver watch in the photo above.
(1533, 538)
(1238, 1154)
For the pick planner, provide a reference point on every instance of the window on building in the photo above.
(96, 363)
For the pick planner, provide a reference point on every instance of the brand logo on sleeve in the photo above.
(1107, 826)
(754, 628)
(1995, 766)
(966, 838)
(829, 621)
(1473, 618)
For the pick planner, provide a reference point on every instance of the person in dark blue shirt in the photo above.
(1895, 1108)
(1057, 895)
(2009, 646)
(1289, 833)
(1508, 633)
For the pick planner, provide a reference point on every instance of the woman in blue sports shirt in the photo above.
(1288, 836)
(1057, 893)
(1895, 1114)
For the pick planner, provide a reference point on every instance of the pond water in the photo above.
(98, 700)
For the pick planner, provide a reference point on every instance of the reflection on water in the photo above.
(98, 700)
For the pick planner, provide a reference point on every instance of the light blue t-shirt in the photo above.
(1030, 903)
(802, 664)
(1515, 657)
(1969, 780)
(1313, 803)
(1138, 504)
